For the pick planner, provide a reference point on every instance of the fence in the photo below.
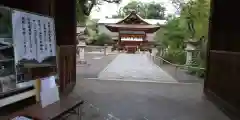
(94, 48)
(179, 72)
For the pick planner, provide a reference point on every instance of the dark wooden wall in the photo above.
(38, 6)
(222, 83)
(63, 13)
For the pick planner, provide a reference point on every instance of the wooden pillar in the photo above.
(37, 6)
(65, 21)
(222, 79)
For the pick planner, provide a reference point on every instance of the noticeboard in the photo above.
(33, 36)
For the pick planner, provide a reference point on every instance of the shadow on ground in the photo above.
(147, 101)
(95, 64)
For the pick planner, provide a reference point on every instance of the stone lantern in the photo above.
(190, 49)
(81, 44)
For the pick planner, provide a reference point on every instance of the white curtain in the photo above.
(131, 39)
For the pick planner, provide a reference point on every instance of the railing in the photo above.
(177, 71)
(94, 48)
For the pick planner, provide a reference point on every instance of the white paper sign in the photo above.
(49, 91)
(33, 36)
(48, 82)
(49, 97)
(21, 118)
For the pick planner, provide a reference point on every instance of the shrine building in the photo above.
(133, 32)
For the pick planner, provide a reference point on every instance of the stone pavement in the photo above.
(130, 100)
(95, 64)
(134, 67)
(181, 75)
(121, 100)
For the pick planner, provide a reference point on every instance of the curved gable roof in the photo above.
(116, 20)
(133, 15)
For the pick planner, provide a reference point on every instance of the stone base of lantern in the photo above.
(82, 62)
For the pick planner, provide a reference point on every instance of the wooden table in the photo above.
(56, 111)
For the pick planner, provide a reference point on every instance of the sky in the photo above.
(109, 9)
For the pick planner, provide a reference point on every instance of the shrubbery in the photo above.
(196, 71)
(102, 39)
(175, 56)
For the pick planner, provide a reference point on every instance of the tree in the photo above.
(102, 39)
(192, 23)
(145, 10)
(195, 14)
(155, 11)
(171, 37)
(198, 11)
(92, 30)
(84, 8)
(174, 34)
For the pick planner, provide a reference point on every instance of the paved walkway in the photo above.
(134, 67)
(95, 64)
(127, 100)
(121, 100)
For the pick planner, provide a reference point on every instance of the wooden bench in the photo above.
(61, 109)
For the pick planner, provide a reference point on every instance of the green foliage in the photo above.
(102, 39)
(84, 8)
(81, 17)
(91, 30)
(198, 11)
(145, 10)
(172, 36)
(155, 11)
(195, 71)
(177, 30)
(176, 56)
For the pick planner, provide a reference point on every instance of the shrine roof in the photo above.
(133, 18)
(133, 22)
(115, 20)
(131, 32)
(146, 28)
(133, 26)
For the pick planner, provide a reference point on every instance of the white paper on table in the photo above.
(21, 118)
(49, 96)
(47, 83)
(49, 91)
(53, 81)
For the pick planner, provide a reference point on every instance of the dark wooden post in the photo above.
(65, 20)
(223, 66)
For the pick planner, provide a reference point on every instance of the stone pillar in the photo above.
(189, 57)
(105, 49)
(190, 48)
(160, 53)
(81, 53)
(81, 47)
